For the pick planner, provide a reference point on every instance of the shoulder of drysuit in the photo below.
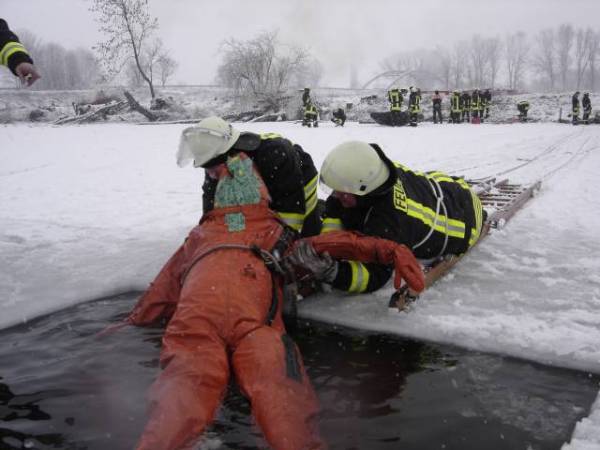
(12, 53)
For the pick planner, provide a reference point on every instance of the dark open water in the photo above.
(61, 388)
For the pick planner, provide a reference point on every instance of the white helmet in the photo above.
(212, 137)
(354, 167)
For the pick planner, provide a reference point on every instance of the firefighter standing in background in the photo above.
(414, 105)
(475, 106)
(487, 95)
(306, 97)
(575, 108)
(14, 56)
(523, 107)
(311, 116)
(455, 107)
(395, 98)
(586, 104)
(432, 213)
(436, 101)
(482, 106)
(465, 100)
(287, 170)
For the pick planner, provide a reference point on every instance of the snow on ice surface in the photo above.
(89, 211)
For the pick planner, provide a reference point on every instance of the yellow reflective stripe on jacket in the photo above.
(331, 224)
(310, 195)
(8, 50)
(311, 204)
(451, 227)
(270, 135)
(360, 277)
(440, 176)
(463, 184)
(293, 220)
(477, 207)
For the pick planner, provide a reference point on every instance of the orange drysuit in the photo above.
(224, 307)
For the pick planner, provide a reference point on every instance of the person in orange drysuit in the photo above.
(221, 293)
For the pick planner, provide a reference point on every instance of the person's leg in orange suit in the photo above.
(185, 397)
(270, 372)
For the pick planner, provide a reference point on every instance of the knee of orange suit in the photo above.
(271, 374)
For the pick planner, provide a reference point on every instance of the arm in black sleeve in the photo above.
(12, 52)
(355, 277)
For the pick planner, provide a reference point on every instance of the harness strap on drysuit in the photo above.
(269, 260)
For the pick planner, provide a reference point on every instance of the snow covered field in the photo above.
(90, 211)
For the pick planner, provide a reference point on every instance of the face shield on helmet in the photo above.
(353, 167)
(209, 139)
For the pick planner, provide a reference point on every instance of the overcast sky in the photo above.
(335, 31)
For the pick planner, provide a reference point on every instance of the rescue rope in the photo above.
(439, 203)
(267, 257)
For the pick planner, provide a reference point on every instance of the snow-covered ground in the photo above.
(90, 211)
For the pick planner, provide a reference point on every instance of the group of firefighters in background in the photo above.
(464, 107)
(586, 104)
(311, 113)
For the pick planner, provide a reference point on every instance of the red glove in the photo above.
(357, 247)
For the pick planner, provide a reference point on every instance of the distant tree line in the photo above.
(61, 68)
(561, 58)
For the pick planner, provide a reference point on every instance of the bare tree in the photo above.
(516, 51)
(150, 55)
(62, 68)
(261, 66)
(166, 66)
(459, 67)
(544, 60)
(477, 60)
(132, 74)
(582, 59)
(444, 69)
(310, 74)
(594, 48)
(565, 39)
(127, 26)
(493, 55)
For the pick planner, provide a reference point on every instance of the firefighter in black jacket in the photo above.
(432, 213)
(575, 108)
(523, 107)
(14, 55)
(414, 105)
(436, 101)
(475, 106)
(465, 99)
(395, 98)
(586, 104)
(487, 97)
(455, 107)
(306, 97)
(287, 170)
(339, 117)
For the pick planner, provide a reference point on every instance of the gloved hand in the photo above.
(322, 267)
(27, 73)
(354, 246)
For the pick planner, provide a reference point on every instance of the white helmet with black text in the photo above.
(354, 167)
(210, 138)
